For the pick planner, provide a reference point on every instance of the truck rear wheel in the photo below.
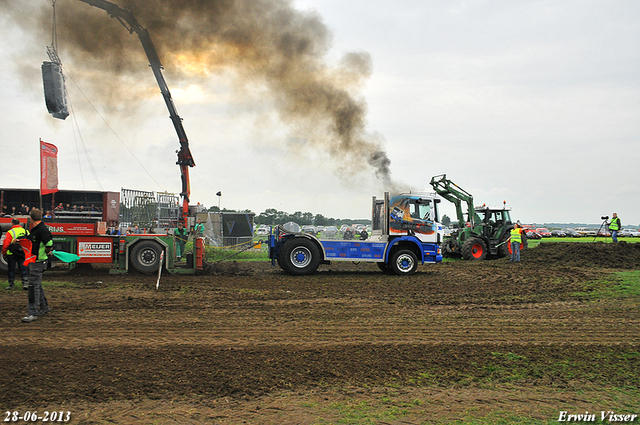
(386, 268)
(145, 257)
(300, 256)
(404, 262)
(474, 249)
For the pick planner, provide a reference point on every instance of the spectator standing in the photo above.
(348, 234)
(181, 236)
(516, 240)
(614, 227)
(199, 228)
(14, 259)
(42, 245)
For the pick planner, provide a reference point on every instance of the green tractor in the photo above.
(485, 231)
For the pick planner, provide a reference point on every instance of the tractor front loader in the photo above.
(483, 233)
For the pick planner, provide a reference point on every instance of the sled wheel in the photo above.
(145, 257)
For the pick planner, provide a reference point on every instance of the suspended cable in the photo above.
(114, 132)
(84, 148)
(75, 139)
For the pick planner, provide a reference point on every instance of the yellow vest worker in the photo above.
(516, 240)
(516, 235)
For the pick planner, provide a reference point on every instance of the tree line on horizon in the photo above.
(272, 216)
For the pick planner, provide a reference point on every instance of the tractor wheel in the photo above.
(404, 262)
(504, 250)
(3, 264)
(300, 256)
(145, 257)
(474, 249)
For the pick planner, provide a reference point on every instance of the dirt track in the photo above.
(252, 344)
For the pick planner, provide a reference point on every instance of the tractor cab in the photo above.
(494, 223)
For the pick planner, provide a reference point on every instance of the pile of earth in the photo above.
(620, 255)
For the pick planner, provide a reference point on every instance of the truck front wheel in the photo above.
(404, 262)
(300, 256)
(145, 257)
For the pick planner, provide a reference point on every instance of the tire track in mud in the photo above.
(121, 372)
(326, 326)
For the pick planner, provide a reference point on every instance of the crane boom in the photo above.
(129, 21)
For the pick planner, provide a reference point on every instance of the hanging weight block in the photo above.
(54, 90)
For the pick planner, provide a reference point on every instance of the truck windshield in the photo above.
(421, 209)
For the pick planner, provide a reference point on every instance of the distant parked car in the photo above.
(532, 234)
(544, 232)
(558, 234)
(263, 230)
(307, 228)
(629, 233)
(572, 233)
(585, 231)
(330, 232)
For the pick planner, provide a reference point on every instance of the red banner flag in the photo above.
(48, 168)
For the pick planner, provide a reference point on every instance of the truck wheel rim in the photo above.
(476, 250)
(148, 256)
(404, 263)
(300, 257)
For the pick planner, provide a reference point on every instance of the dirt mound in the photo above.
(620, 255)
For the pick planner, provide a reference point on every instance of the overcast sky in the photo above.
(536, 103)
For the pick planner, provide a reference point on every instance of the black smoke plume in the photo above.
(265, 42)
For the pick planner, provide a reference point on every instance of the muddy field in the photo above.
(458, 341)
